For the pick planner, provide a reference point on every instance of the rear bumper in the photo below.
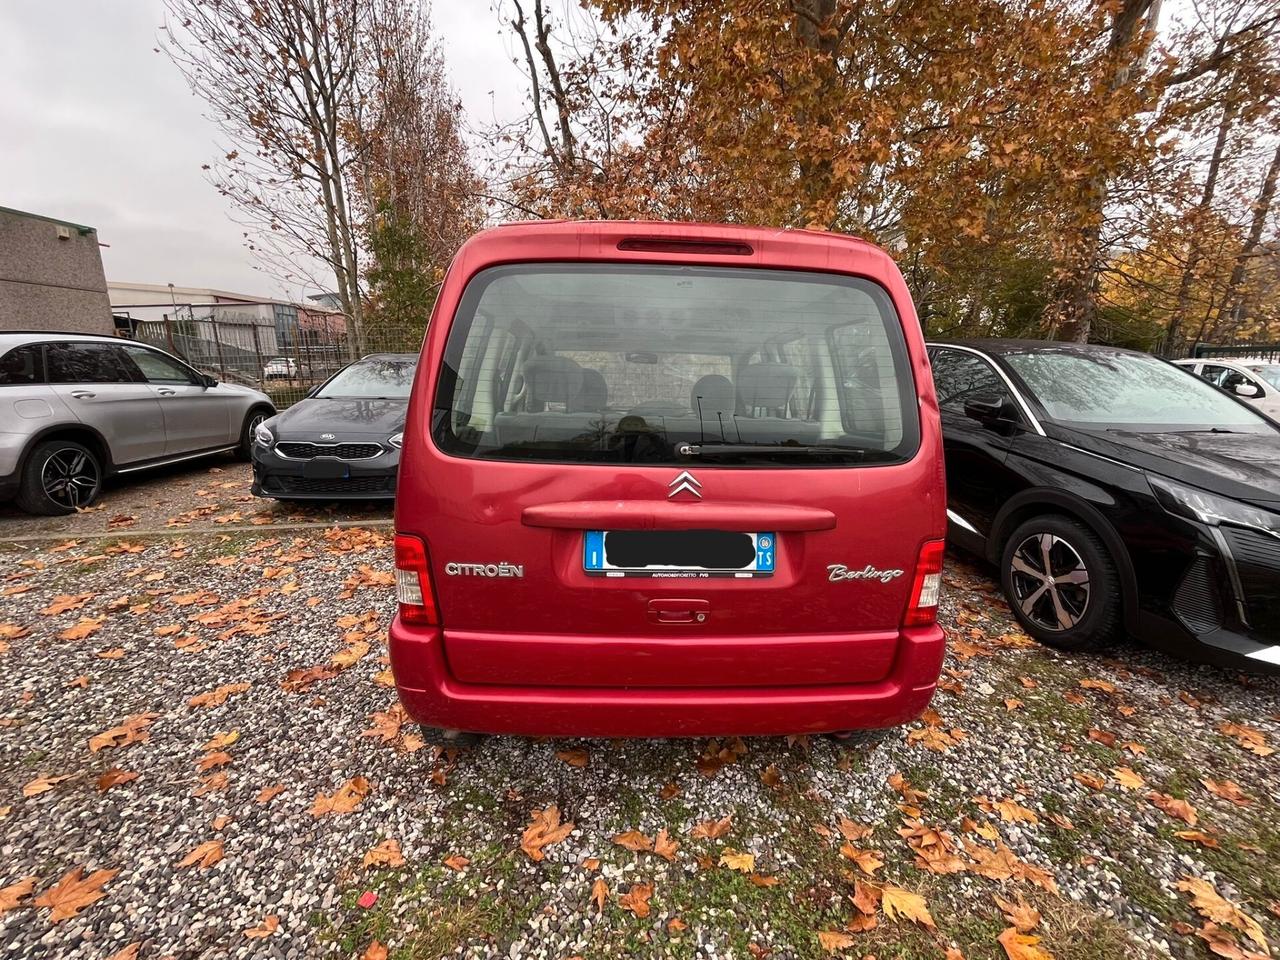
(433, 696)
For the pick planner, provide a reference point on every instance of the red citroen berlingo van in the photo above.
(667, 479)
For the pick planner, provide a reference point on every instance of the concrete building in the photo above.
(51, 275)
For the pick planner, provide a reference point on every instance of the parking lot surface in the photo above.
(201, 756)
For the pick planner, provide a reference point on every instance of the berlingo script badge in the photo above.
(838, 571)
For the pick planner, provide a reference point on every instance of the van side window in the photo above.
(960, 376)
(22, 365)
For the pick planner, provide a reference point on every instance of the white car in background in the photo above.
(280, 368)
(1254, 380)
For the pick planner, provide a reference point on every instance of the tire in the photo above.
(58, 477)
(251, 420)
(861, 739)
(450, 739)
(1078, 610)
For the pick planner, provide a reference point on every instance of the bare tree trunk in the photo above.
(1203, 209)
(1233, 300)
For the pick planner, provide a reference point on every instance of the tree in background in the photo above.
(418, 192)
(335, 109)
(1018, 157)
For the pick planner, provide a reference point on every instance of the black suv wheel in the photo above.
(58, 477)
(1061, 583)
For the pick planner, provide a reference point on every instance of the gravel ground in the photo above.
(210, 492)
(1049, 757)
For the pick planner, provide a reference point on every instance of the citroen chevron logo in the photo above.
(685, 483)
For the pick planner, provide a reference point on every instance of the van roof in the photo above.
(660, 241)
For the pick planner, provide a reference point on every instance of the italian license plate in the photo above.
(678, 554)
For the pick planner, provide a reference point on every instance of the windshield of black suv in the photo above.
(620, 363)
(373, 378)
(1128, 391)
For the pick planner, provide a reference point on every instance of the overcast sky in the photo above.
(100, 130)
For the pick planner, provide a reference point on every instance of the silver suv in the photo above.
(76, 408)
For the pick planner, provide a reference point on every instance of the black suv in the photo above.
(1114, 490)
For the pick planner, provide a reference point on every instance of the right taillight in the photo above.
(413, 582)
(926, 587)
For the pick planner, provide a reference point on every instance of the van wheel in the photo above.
(58, 477)
(450, 739)
(245, 450)
(1061, 584)
(864, 739)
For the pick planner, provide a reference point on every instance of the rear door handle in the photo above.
(83, 394)
(679, 611)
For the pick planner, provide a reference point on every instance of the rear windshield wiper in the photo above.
(709, 449)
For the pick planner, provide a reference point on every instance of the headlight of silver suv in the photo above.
(263, 436)
(1196, 504)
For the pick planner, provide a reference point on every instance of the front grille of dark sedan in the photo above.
(351, 485)
(1257, 559)
(300, 450)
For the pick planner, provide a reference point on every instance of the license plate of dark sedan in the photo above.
(679, 554)
(321, 469)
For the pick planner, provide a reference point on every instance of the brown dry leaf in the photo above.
(82, 629)
(64, 602)
(600, 894)
(1061, 822)
(1103, 685)
(853, 831)
(760, 880)
(132, 730)
(12, 895)
(1104, 737)
(742, 862)
(866, 897)
(1249, 738)
(115, 653)
(1228, 790)
(637, 899)
(220, 821)
(211, 761)
(712, 829)
(269, 925)
(1028, 683)
(343, 800)
(1011, 811)
(386, 724)
(43, 785)
(456, 862)
(129, 952)
(669, 790)
(544, 829)
(168, 631)
(1223, 943)
(833, 941)
(897, 902)
(1021, 946)
(73, 893)
(634, 840)
(385, 854)
(220, 741)
(375, 951)
(577, 757)
(867, 860)
(664, 846)
(1128, 778)
(1212, 906)
(675, 925)
(903, 787)
(1197, 836)
(204, 856)
(218, 696)
(1012, 703)
(1090, 780)
(267, 794)
(350, 655)
(1022, 915)
(211, 784)
(1178, 809)
(81, 681)
(385, 678)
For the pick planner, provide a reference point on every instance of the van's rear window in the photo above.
(634, 363)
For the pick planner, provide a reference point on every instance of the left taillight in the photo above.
(926, 587)
(413, 582)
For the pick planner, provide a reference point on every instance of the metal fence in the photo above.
(281, 349)
(1240, 348)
